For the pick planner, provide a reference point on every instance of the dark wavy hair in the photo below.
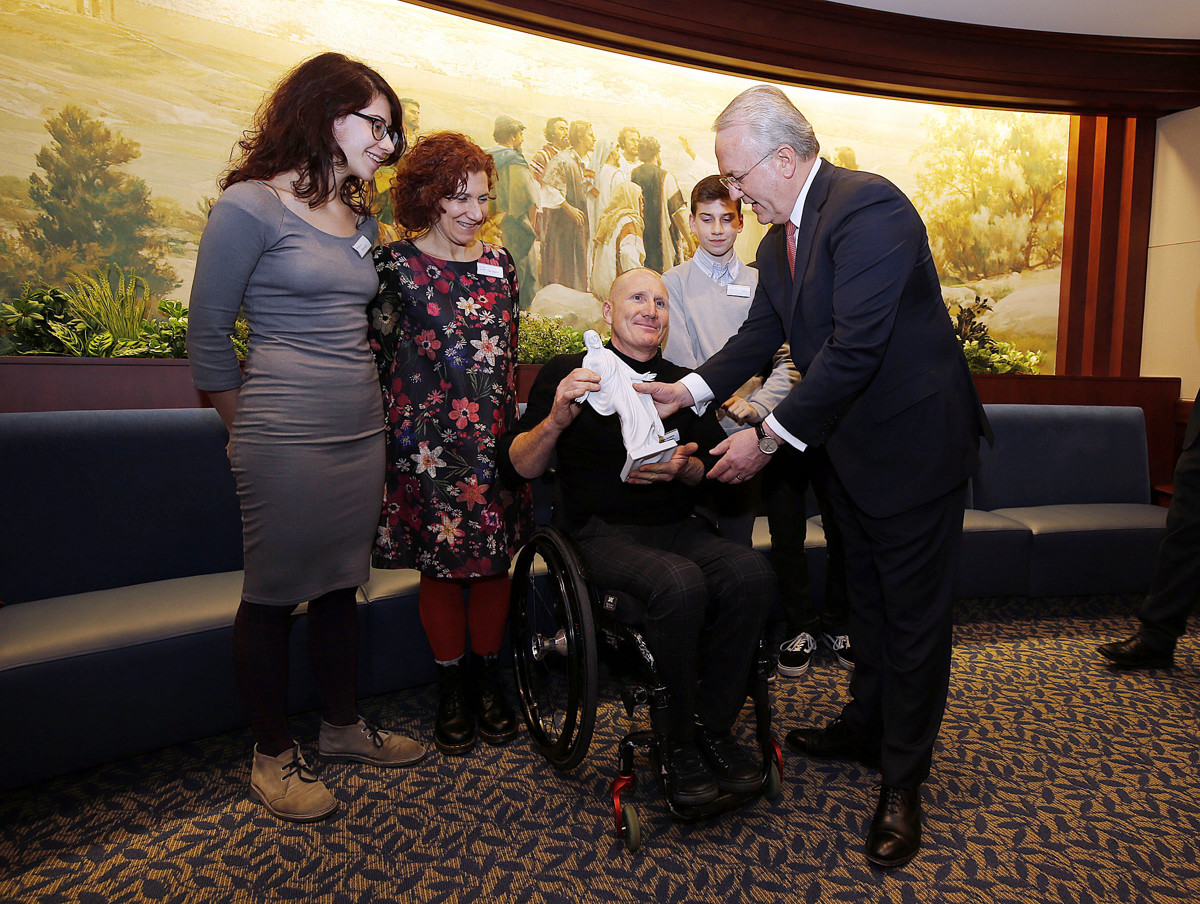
(436, 168)
(711, 188)
(293, 130)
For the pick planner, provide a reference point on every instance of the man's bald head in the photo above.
(637, 310)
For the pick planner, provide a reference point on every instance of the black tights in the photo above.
(260, 664)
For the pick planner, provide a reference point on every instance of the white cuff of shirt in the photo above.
(777, 429)
(701, 394)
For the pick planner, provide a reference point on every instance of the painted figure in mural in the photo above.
(886, 391)
(705, 599)
(568, 183)
(666, 212)
(845, 158)
(515, 206)
(556, 133)
(627, 140)
(618, 246)
(642, 430)
(443, 329)
(606, 162)
(412, 119)
(288, 243)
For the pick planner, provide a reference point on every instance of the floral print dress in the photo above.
(444, 336)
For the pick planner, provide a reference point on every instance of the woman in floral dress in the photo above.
(443, 329)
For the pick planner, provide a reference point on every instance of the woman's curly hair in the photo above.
(293, 130)
(436, 168)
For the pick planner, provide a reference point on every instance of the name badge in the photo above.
(738, 291)
(362, 245)
(490, 270)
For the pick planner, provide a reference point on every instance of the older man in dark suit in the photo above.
(846, 276)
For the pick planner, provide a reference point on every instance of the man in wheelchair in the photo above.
(705, 598)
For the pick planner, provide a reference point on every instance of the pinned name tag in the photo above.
(362, 245)
(738, 291)
(490, 270)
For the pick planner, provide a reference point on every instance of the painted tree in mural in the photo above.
(991, 190)
(89, 212)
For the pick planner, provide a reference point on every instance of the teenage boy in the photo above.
(710, 297)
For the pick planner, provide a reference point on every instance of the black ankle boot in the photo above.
(454, 730)
(497, 722)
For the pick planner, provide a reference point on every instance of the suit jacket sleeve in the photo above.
(871, 251)
(752, 348)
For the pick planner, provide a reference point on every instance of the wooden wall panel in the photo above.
(1106, 238)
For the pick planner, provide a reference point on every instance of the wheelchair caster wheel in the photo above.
(631, 829)
(774, 784)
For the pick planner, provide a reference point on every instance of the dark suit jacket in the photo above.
(1193, 427)
(885, 386)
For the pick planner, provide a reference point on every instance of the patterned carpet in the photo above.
(1055, 780)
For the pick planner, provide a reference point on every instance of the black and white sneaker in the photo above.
(840, 644)
(795, 655)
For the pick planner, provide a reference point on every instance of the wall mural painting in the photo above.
(119, 116)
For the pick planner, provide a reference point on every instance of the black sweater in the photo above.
(590, 452)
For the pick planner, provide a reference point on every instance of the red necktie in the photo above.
(790, 235)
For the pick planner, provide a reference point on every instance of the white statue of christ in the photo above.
(641, 428)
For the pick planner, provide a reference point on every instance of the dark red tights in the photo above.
(260, 664)
(447, 617)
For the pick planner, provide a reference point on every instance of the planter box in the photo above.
(47, 383)
(526, 374)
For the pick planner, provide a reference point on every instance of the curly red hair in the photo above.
(436, 168)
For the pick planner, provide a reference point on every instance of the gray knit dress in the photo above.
(307, 446)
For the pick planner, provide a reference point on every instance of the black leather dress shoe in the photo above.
(1135, 653)
(735, 770)
(836, 741)
(689, 783)
(895, 834)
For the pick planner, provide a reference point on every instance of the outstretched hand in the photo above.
(668, 397)
(740, 458)
(680, 466)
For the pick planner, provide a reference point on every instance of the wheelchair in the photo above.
(561, 625)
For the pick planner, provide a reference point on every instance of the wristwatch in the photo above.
(767, 444)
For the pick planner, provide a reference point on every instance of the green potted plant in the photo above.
(538, 340)
(93, 345)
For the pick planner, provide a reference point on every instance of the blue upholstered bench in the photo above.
(120, 558)
(120, 552)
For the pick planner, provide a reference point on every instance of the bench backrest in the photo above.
(99, 499)
(1062, 454)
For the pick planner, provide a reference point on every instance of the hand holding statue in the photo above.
(642, 429)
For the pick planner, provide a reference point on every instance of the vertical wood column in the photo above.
(1106, 233)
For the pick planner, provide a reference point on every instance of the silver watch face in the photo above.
(767, 444)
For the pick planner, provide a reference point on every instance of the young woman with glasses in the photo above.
(289, 244)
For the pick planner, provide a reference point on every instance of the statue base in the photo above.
(647, 454)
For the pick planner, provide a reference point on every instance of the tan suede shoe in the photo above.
(288, 788)
(363, 742)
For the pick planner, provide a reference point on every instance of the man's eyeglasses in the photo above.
(736, 181)
(380, 129)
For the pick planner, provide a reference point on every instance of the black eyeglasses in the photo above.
(736, 181)
(380, 129)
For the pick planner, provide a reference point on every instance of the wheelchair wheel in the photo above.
(554, 648)
(774, 783)
(631, 828)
